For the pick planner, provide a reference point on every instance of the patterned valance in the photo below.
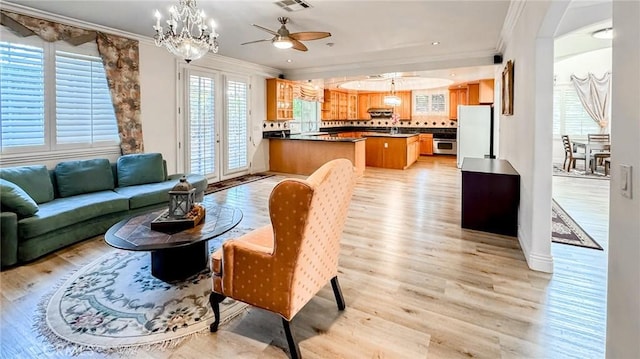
(120, 57)
(308, 92)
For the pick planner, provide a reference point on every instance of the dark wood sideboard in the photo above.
(490, 196)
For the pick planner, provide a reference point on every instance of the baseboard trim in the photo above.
(537, 262)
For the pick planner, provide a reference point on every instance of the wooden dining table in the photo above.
(590, 146)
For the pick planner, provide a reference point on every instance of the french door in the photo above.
(216, 124)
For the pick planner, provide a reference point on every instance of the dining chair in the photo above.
(603, 139)
(281, 266)
(570, 157)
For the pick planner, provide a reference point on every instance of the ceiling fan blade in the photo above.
(309, 35)
(298, 45)
(265, 29)
(253, 42)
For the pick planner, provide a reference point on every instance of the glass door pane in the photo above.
(201, 124)
(236, 125)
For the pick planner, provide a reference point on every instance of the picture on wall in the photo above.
(507, 89)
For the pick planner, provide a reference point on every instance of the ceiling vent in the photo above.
(293, 5)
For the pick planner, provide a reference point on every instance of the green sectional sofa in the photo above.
(47, 209)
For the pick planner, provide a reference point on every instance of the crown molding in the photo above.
(510, 21)
(477, 58)
(210, 60)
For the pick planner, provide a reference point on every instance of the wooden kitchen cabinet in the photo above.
(352, 106)
(404, 110)
(279, 100)
(375, 100)
(339, 105)
(473, 94)
(485, 95)
(392, 151)
(426, 144)
(363, 106)
(457, 96)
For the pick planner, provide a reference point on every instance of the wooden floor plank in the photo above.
(416, 284)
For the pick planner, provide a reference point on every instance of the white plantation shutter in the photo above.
(569, 116)
(84, 111)
(202, 124)
(237, 123)
(22, 95)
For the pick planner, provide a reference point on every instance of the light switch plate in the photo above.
(625, 180)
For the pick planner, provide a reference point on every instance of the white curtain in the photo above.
(595, 93)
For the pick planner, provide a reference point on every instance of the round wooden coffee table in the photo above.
(176, 255)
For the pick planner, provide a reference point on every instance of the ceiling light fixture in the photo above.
(606, 33)
(282, 42)
(435, 43)
(180, 39)
(392, 99)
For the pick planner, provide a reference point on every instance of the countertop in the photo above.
(487, 165)
(397, 135)
(317, 138)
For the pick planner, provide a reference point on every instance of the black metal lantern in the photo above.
(181, 199)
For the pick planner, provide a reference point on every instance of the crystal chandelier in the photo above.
(392, 99)
(183, 43)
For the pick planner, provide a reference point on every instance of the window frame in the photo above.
(51, 149)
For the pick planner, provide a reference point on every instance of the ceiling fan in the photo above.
(283, 39)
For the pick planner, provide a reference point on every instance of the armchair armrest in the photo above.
(8, 238)
(246, 261)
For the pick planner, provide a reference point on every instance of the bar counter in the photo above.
(303, 154)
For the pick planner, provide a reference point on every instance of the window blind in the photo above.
(569, 116)
(22, 98)
(237, 123)
(84, 111)
(202, 124)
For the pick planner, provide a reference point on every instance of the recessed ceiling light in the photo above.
(452, 74)
(606, 33)
(435, 43)
(289, 60)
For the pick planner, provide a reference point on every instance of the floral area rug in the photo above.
(114, 304)
(565, 230)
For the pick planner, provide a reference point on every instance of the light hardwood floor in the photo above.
(416, 284)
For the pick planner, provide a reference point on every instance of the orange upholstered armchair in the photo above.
(280, 267)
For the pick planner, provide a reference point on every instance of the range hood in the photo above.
(379, 112)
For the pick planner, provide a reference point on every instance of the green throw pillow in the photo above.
(16, 199)
(140, 169)
(77, 177)
(34, 180)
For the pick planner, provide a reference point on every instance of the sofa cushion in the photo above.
(77, 177)
(34, 180)
(146, 195)
(16, 199)
(153, 193)
(63, 212)
(141, 168)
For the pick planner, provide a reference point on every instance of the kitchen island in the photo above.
(397, 151)
(300, 154)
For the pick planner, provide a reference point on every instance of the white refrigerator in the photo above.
(474, 132)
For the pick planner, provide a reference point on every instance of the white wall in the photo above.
(158, 102)
(525, 138)
(597, 62)
(623, 297)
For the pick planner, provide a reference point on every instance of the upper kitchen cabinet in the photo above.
(339, 105)
(404, 110)
(485, 91)
(279, 100)
(363, 106)
(457, 96)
